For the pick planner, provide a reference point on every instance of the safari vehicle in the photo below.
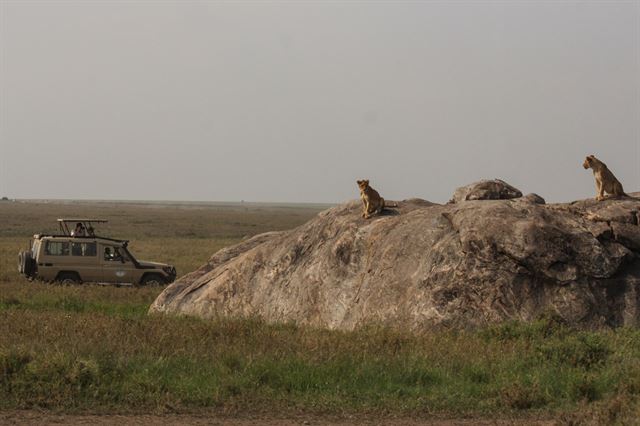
(82, 256)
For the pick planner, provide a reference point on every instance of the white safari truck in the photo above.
(77, 255)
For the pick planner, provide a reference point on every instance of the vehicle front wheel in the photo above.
(152, 280)
(68, 278)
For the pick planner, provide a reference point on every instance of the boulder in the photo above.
(495, 189)
(464, 264)
(533, 198)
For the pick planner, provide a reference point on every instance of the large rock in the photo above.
(495, 189)
(461, 264)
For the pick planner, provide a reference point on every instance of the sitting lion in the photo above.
(372, 202)
(605, 180)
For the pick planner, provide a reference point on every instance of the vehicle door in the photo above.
(84, 259)
(116, 265)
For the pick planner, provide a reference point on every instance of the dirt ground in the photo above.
(42, 417)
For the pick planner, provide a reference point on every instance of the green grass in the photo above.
(89, 359)
(92, 348)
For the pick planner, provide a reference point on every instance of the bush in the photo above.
(523, 396)
(584, 350)
(12, 363)
(546, 326)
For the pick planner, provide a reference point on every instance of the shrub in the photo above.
(523, 396)
(12, 363)
(584, 350)
(545, 326)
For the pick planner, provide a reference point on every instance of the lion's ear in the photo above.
(366, 181)
(592, 156)
(358, 182)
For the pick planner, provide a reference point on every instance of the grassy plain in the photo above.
(93, 348)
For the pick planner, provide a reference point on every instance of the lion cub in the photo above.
(605, 180)
(372, 202)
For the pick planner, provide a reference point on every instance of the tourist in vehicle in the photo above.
(79, 231)
(117, 255)
(112, 255)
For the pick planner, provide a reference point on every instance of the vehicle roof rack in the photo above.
(64, 224)
(83, 220)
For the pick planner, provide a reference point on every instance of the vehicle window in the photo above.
(57, 248)
(113, 253)
(83, 249)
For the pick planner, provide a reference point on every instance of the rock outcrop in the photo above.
(495, 189)
(424, 265)
(534, 198)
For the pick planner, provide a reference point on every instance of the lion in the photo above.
(372, 202)
(605, 180)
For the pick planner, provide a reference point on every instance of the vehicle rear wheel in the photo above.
(152, 280)
(68, 278)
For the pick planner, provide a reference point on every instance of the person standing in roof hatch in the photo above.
(79, 231)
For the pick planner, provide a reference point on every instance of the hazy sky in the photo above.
(294, 101)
